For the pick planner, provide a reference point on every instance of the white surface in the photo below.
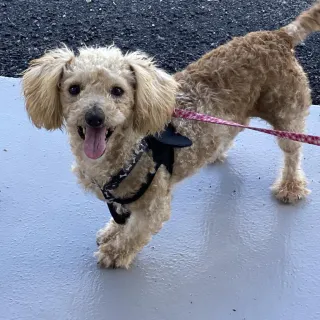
(230, 250)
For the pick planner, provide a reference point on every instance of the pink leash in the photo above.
(191, 115)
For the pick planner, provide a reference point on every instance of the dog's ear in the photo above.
(41, 88)
(155, 94)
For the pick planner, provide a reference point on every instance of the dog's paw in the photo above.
(109, 231)
(109, 255)
(114, 249)
(290, 191)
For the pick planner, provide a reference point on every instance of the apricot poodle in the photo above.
(114, 106)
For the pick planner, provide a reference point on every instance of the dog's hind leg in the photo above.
(291, 185)
(285, 103)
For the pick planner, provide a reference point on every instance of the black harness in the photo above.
(162, 147)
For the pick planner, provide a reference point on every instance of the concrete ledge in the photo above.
(230, 250)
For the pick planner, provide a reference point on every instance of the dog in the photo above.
(112, 103)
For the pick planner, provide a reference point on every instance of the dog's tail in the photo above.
(306, 23)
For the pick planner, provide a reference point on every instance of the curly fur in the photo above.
(252, 76)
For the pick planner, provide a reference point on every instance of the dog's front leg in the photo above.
(119, 244)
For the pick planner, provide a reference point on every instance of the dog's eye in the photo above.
(117, 91)
(74, 90)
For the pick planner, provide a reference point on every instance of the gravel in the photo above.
(176, 32)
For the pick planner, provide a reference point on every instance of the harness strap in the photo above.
(144, 187)
(118, 218)
(125, 214)
(124, 172)
(162, 147)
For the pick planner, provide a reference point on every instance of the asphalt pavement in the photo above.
(176, 32)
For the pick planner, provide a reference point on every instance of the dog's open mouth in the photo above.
(95, 140)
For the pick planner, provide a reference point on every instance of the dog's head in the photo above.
(96, 92)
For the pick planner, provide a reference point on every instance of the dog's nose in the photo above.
(94, 117)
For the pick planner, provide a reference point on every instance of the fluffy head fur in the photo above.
(40, 86)
(147, 103)
(154, 96)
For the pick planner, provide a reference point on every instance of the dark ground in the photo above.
(176, 32)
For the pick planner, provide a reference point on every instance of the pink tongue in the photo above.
(95, 142)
